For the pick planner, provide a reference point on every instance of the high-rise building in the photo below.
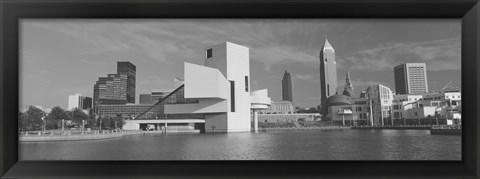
(287, 90)
(411, 78)
(79, 101)
(116, 88)
(130, 70)
(328, 71)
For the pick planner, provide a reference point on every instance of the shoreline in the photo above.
(76, 137)
(305, 128)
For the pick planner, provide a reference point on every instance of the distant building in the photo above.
(287, 90)
(280, 107)
(158, 95)
(116, 88)
(348, 90)
(130, 70)
(153, 97)
(328, 71)
(411, 78)
(145, 99)
(79, 101)
(444, 104)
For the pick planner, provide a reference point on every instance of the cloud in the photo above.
(272, 55)
(308, 77)
(444, 54)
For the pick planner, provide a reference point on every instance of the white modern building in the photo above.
(219, 91)
(443, 105)
(260, 101)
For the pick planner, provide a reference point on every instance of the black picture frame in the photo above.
(13, 10)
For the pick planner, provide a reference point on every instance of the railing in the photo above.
(446, 127)
(75, 132)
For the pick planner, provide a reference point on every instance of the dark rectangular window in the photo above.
(232, 96)
(209, 53)
(246, 83)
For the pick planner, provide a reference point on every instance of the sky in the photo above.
(60, 57)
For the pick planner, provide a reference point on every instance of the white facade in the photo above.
(440, 105)
(382, 100)
(280, 107)
(222, 88)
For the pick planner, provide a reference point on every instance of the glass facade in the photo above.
(130, 70)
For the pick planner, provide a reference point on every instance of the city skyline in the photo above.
(160, 48)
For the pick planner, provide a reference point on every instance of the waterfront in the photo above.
(273, 145)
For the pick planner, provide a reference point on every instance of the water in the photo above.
(273, 145)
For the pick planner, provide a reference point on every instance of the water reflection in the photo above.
(273, 145)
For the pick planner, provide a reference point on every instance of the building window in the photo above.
(246, 83)
(232, 96)
(209, 53)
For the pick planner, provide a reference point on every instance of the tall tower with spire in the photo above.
(348, 90)
(328, 71)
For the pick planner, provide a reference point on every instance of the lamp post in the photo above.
(44, 123)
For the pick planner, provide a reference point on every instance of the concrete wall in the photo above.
(204, 82)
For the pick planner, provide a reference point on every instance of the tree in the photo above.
(78, 116)
(92, 121)
(32, 119)
(55, 117)
(119, 120)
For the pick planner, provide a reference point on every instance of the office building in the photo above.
(381, 99)
(116, 88)
(328, 71)
(411, 78)
(287, 91)
(79, 101)
(130, 70)
(110, 90)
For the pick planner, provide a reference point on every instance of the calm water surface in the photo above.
(273, 145)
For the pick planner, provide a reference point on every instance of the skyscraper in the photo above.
(328, 71)
(116, 88)
(287, 90)
(130, 70)
(411, 78)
